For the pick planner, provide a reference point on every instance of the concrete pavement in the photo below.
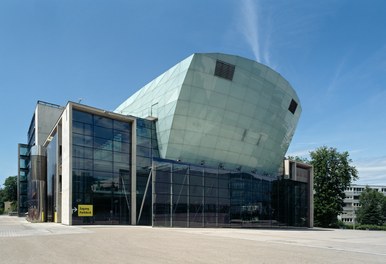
(23, 242)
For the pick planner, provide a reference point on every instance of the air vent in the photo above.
(224, 70)
(292, 107)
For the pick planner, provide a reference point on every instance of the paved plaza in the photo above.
(24, 242)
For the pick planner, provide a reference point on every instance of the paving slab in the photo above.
(23, 242)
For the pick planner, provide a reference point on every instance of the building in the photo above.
(351, 201)
(201, 145)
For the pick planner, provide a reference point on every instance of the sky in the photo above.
(333, 52)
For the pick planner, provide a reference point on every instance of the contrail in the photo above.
(250, 27)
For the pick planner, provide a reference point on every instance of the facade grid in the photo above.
(202, 145)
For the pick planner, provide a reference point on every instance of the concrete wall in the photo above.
(46, 115)
(66, 166)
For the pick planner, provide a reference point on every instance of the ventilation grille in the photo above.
(292, 107)
(224, 70)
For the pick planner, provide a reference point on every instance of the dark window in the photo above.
(292, 107)
(224, 70)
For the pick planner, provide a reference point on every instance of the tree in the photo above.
(384, 208)
(10, 189)
(332, 174)
(298, 159)
(372, 204)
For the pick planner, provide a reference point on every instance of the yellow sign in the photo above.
(85, 209)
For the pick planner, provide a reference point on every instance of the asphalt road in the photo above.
(23, 242)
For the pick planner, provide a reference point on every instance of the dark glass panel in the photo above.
(81, 117)
(122, 157)
(100, 154)
(82, 152)
(122, 136)
(100, 165)
(124, 126)
(143, 132)
(80, 163)
(103, 121)
(102, 143)
(82, 128)
(162, 188)
(224, 193)
(163, 174)
(103, 132)
(196, 180)
(180, 189)
(196, 190)
(82, 140)
(143, 151)
(211, 191)
(143, 163)
(121, 167)
(180, 178)
(121, 147)
(143, 142)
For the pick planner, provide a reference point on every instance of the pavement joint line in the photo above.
(290, 243)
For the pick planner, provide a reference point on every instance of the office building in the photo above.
(351, 201)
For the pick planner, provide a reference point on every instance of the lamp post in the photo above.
(151, 108)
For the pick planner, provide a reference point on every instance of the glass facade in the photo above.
(147, 148)
(186, 195)
(101, 177)
(290, 202)
(24, 160)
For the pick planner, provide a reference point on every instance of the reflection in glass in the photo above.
(191, 196)
(101, 168)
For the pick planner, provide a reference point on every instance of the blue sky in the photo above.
(333, 53)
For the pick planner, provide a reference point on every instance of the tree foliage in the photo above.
(372, 206)
(298, 159)
(10, 189)
(332, 174)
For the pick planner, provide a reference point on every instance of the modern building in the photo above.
(351, 201)
(201, 145)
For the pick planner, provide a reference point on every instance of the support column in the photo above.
(171, 195)
(134, 173)
(37, 209)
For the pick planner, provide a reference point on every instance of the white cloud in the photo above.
(305, 153)
(372, 171)
(250, 27)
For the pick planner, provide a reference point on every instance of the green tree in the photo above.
(332, 174)
(384, 208)
(372, 204)
(298, 159)
(10, 189)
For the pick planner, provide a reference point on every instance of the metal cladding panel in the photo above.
(244, 123)
(158, 99)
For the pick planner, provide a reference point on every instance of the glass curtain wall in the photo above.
(251, 199)
(290, 202)
(188, 195)
(147, 148)
(101, 158)
(22, 179)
